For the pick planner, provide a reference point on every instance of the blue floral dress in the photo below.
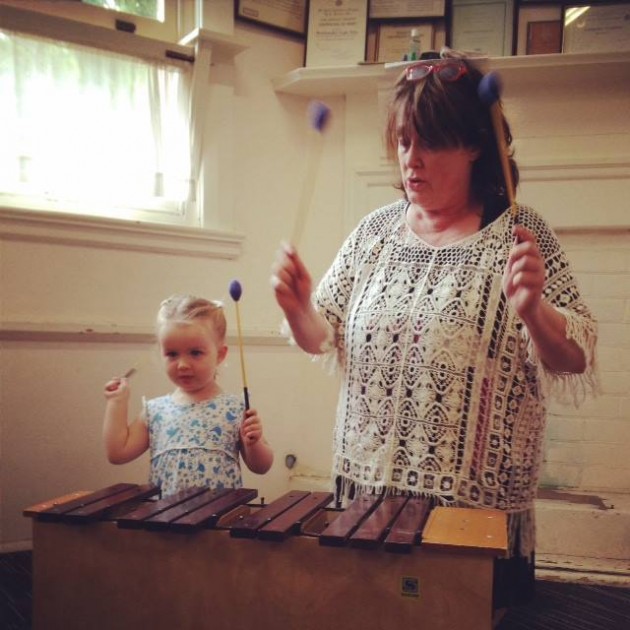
(195, 444)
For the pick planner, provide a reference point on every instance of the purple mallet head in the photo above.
(489, 89)
(318, 115)
(236, 290)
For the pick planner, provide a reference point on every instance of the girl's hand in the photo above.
(251, 428)
(524, 275)
(117, 389)
(291, 281)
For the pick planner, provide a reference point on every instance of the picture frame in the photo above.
(397, 9)
(392, 39)
(482, 27)
(529, 12)
(596, 28)
(336, 33)
(544, 37)
(287, 16)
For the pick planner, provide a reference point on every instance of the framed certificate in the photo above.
(482, 28)
(596, 28)
(336, 33)
(283, 15)
(390, 9)
(544, 38)
(392, 40)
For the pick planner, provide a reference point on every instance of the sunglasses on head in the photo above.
(446, 69)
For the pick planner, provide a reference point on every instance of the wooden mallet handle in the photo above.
(235, 292)
(319, 115)
(489, 91)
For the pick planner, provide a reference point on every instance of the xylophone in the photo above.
(123, 558)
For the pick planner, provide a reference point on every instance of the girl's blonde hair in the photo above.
(183, 309)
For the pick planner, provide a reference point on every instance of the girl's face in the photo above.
(191, 355)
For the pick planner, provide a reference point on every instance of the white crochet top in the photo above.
(442, 393)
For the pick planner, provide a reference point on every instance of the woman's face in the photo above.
(435, 179)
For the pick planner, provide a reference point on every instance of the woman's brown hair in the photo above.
(449, 115)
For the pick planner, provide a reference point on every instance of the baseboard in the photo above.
(587, 526)
(582, 569)
(20, 545)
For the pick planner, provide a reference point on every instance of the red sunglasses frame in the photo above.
(412, 72)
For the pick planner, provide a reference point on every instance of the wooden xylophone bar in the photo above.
(281, 518)
(410, 524)
(91, 506)
(263, 565)
(372, 531)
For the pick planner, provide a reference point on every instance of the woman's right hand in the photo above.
(117, 389)
(291, 282)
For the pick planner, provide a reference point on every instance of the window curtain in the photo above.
(85, 125)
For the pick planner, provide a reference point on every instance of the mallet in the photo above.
(489, 91)
(319, 115)
(128, 374)
(235, 292)
(137, 366)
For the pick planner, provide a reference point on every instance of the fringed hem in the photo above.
(347, 490)
(569, 387)
(521, 533)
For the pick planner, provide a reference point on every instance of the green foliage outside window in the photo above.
(146, 8)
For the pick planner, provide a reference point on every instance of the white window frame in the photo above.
(177, 13)
(213, 237)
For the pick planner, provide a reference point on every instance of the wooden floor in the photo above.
(16, 599)
(567, 606)
(557, 606)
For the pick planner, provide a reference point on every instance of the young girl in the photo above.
(197, 432)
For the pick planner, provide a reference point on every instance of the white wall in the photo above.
(50, 398)
(587, 448)
(573, 144)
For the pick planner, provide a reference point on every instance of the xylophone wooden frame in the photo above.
(102, 576)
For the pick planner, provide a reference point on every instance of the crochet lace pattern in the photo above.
(442, 393)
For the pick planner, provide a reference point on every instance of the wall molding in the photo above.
(69, 229)
(372, 186)
(74, 332)
(574, 168)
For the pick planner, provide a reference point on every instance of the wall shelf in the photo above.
(555, 69)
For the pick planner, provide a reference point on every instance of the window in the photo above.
(89, 131)
(106, 148)
(93, 132)
(158, 19)
(153, 9)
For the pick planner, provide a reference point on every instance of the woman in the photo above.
(451, 317)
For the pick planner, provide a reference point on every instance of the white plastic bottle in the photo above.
(414, 45)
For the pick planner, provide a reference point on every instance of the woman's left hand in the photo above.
(524, 275)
